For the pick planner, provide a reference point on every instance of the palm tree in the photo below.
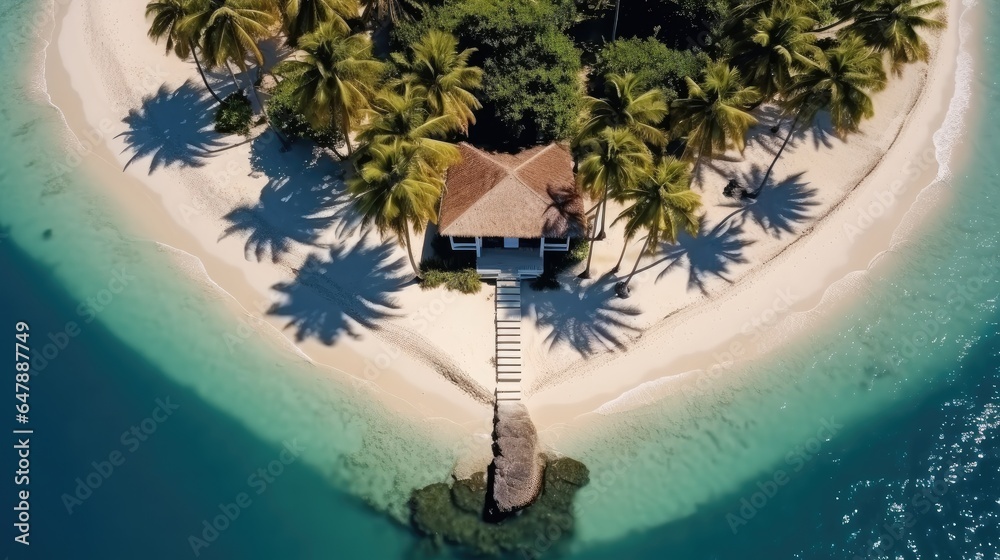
(301, 17)
(845, 10)
(894, 26)
(714, 115)
(229, 31)
(770, 51)
(839, 80)
(381, 11)
(443, 76)
(167, 17)
(335, 76)
(615, 160)
(625, 106)
(661, 204)
(405, 117)
(397, 189)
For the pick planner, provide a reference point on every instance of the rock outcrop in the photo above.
(515, 476)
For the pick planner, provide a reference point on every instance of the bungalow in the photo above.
(512, 208)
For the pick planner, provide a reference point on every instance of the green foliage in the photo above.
(395, 189)
(466, 280)
(234, 115)
(653, 63)
(535, 89)
(531, 85)
(443, 76)
(282, 110)
(455, 270)
(335, 76)
(455, 514)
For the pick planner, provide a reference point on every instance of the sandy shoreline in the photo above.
(430, 353)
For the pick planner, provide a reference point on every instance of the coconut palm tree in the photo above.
(661, 204)
(382, 11)
(335, 76)
(301, 17)
(714, 115)
(893, 27)
(839, 80)
(405, 117)
(770, 50)
(442, 74)
(167, 17)
(397, 189)
(615, 160)
(641, 112)
(229, 31)
(846, 10)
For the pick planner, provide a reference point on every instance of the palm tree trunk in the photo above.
(832, 25)
(767, 175)
(409, 251)
(604, 213)
(194, 52)
(618, 265)
(346, 126)
(285, 145)
(233, 75)
(614, 29)
(622, 288)
(699, 159)
(590, 255)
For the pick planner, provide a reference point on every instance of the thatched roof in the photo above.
(529, 194)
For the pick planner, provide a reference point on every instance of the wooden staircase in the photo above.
(508, 338)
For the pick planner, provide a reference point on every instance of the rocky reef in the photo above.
(455, 513)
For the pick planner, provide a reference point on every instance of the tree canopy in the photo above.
(531, 70)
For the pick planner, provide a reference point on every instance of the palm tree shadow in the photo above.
(172, 128)
(779, 207)
(331, 295)
(589, 320)
(782, 206)
(820, 131)
(297, 204)
(710, 254)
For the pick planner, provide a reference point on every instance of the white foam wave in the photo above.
(951, 131)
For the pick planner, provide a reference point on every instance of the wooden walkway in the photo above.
(508, 338)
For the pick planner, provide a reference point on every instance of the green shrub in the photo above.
(234, 115)
(436, 273)
(531, 85)
(652, 62)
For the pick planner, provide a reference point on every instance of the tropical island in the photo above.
(468, 204)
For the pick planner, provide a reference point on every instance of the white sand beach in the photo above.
(245, 219)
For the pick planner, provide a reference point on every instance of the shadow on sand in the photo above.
(779, 209)
(173, 128)
(781, 206)
(298, 203)
(707, 255)
(590, 319)
(329, 295)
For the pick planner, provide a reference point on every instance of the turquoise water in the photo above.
(814, 454)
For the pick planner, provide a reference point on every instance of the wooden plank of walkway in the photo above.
(509, 314)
